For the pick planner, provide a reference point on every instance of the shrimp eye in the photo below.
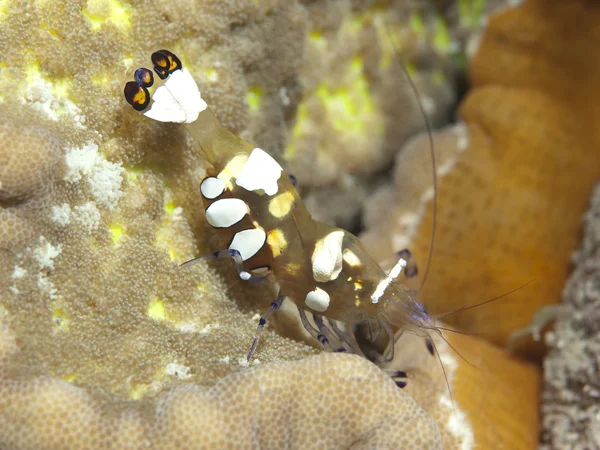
(137, 96)
(165, 63)
(144, 77)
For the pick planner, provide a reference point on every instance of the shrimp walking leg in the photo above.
(346, 335)
(275, 304)
(314, 332)
(326, 336)
(237, 258)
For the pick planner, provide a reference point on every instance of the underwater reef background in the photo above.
(106, 343)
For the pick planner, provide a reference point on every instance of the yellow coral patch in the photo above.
(347, 106)
(441, 39)
(116, 232)
(100, 12)
(60, 319)
(212, 75)
(170, 207)
(254, 98)
(281, 205)
(156, 309)
(70, 378)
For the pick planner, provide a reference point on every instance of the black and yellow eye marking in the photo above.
(144, 77)
(165, 63)
(136, 95)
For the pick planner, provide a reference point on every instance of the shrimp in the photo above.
(254, 208)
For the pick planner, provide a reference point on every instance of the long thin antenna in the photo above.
(431, 149)
(465, 308)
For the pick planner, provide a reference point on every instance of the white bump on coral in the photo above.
(80, 161)
(105, 177)
(46, 253)
(317, 300)
(88, 215)
(226, 212)
(61, 215)
(248, 242)
(44, 96)
(18, 272)
(261, 171)
(178, 371)
(327, 257)
(106, 181)
(178, 101)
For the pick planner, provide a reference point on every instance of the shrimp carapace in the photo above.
(256, 211)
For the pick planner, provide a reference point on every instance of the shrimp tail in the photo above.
(175, 97)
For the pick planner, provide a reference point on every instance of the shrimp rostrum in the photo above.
(256, 211)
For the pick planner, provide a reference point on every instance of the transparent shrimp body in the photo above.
(255, 209)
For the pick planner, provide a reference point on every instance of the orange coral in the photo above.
(510, 202)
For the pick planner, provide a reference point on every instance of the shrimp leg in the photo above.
(237, 258)
(275, 304)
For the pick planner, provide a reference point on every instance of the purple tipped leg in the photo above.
(411, 269)
(429, 344)
(275, 304)
(239, 264)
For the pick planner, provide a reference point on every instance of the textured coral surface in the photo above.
(570, 406)
(514, 177)
(104, 341)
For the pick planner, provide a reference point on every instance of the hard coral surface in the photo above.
(570, 402)
(514, 178)
(104, 341)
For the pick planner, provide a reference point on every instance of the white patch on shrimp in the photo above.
(327, 257)
(248, 242)
(226, 212)
(383, 284)
(212, 187)
(260, 172)
(317, 300)
(350, 258)
(178, 100)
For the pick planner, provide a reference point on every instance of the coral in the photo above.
(514, 177)
(493, 397)
(570, 408)
(104, 341)
(28, 156)
(270, 407)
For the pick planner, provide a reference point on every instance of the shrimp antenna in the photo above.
(465, 308)
(431, 150)
(437, 353)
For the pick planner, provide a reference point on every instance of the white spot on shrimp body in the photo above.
(261, 171)
(178, 100)
(248, 242)
(226, 212)
(212, 187)
(327, 257)
(317, 300)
